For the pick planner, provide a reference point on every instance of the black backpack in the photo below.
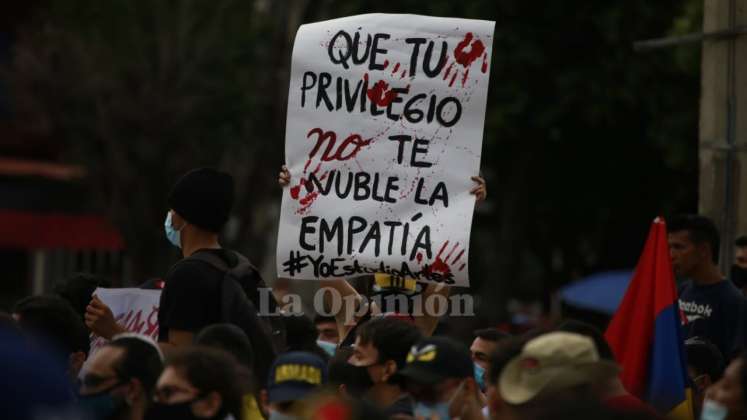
(240, 298)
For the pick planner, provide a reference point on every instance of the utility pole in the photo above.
(722, 150)
(723, 124)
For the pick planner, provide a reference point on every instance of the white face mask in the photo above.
(173, 235)
(713, 410)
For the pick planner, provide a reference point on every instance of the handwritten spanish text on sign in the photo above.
(134, 309)
(384, 130)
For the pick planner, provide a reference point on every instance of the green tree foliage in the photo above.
(586, 141)
(141, 91)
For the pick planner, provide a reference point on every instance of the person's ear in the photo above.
(390, 368)
(75, 362)
(134, 391)
(208, 406)
(177, 221)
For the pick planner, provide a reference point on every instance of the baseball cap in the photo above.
(435, 359)
(294, 375)
(553, 361)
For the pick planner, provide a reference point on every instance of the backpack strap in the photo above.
(236, 286)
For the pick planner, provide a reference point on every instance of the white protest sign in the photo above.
(384, 130)
(134, 309)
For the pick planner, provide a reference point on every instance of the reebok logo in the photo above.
(695, 311)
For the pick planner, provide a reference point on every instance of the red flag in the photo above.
(645, 333)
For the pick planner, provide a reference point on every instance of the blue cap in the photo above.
(294, 375)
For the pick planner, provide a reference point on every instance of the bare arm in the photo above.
(347, 303)
(427, 322)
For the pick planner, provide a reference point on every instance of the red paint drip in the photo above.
(365, 77)
(402, 76)
(476, 50)
(306, 166)
(381, 95)
(438, 266)
(396, 68)
(458, 257)
(452, 251)
(295, 191)
(386, 64)
(309, 199)
(484, 62)
(419, 257)
(461, 267)
(448, 71)
(451, 83)
(464, 79)
(440, 251)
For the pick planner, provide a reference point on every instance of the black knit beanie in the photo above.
(203, 197)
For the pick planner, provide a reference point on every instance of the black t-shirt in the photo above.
(713, 311)
(191, 296)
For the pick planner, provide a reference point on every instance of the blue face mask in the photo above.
(480, 376)
(439, 411)
(713, 411)
(329, 348)
(174, 236)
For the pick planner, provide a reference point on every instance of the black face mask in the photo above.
(360, 381)
(103, 405)
(739, 276)
(178, 411)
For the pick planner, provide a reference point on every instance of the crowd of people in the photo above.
(217, 357)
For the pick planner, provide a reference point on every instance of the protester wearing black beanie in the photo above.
(203, 197)
(195, 291)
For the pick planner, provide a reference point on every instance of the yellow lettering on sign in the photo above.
(302, 373)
